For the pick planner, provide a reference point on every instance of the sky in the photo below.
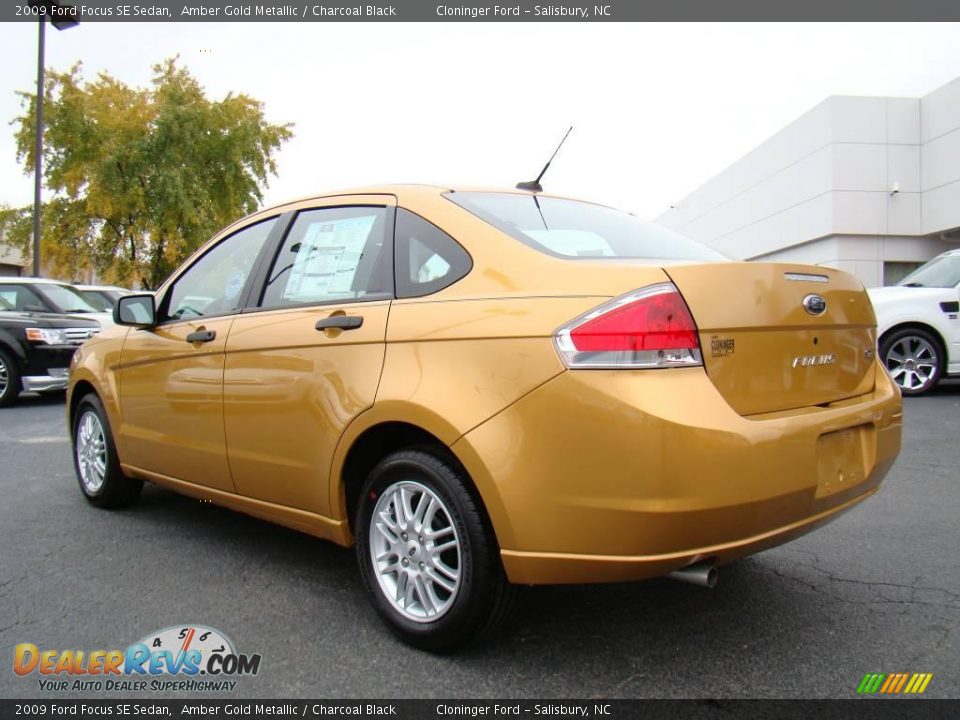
(657, 109)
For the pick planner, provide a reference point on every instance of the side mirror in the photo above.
(136, 310)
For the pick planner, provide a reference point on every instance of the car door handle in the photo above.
(201, 336)
(340, 322)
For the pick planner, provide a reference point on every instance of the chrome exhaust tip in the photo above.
(704, 574)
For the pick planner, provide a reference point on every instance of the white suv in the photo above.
(918, 325)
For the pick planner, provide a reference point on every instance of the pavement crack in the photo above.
(874, 586)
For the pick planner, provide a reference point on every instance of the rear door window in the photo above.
(332, 255)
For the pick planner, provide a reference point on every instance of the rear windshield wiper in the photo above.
(913, 284)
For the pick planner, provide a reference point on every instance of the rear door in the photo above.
(306, 359)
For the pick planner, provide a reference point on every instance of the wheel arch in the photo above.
(10, 346)
(79, 390)
(83, 380)
(916, 324)
(364, 444)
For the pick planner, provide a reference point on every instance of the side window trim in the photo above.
(248, 285)
(276, 245)
(256, 283)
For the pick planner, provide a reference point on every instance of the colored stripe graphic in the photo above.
(922, 685)
(894, 683)
(870, 683)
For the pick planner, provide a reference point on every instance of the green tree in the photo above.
(140, 177)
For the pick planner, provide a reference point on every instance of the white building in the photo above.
(869, 185)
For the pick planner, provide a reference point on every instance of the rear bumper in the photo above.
(535, 568)
(604, 476)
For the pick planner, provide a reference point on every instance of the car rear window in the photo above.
(576, 229)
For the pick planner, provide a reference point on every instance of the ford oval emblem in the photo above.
(814, 304)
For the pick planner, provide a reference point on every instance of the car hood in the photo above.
(46, 319)
(899, 293)
(104, 319)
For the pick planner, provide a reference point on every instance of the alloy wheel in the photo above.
(912, 363)
(91, 450)
(416, 551)
(4, 376)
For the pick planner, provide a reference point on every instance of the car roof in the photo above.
(401, 191)
(101, 287)
(411, 189)
(20, 280)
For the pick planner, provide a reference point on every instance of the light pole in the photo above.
(60, 18)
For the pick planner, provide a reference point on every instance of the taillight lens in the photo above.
(648, 328)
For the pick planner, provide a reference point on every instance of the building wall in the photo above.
(864, 255)
(940, 158)
(822, 189)
(11, 262)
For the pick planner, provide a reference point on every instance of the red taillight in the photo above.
(648, 328)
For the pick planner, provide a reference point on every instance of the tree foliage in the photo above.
(140, 177)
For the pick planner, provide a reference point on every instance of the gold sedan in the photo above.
(481, 389)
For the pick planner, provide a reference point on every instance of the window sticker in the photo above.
(328, 258)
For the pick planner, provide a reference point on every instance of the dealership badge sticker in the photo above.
(894, 683)
(184, 657)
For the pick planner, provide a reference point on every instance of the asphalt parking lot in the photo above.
(876, 591)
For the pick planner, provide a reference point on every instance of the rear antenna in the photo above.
(534, 185)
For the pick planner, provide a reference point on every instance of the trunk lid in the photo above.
(763, 349)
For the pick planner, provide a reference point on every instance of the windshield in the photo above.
(574, 229)
(941, 272)
(65, 298)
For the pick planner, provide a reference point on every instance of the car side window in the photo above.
(427, 259)
(23, 298)
(214, 283)
(332, 254)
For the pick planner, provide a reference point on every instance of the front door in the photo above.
(171, 375)
(303, 364)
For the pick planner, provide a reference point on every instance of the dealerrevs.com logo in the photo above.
(185, 658)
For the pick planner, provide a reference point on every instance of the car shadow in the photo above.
(751, 601)
(39, 400)
(944, 387)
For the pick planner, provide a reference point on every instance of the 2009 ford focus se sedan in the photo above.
(484, 389)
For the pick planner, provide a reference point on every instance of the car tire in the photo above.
(95, 458)
(434, 575)
(9, 380)
(914, 358)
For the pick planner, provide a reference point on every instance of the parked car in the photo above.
(102, 297)
(28, 294)
(35, 350)
(918, 324)
(486, 389)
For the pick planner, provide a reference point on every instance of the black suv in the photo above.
(35, 350)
